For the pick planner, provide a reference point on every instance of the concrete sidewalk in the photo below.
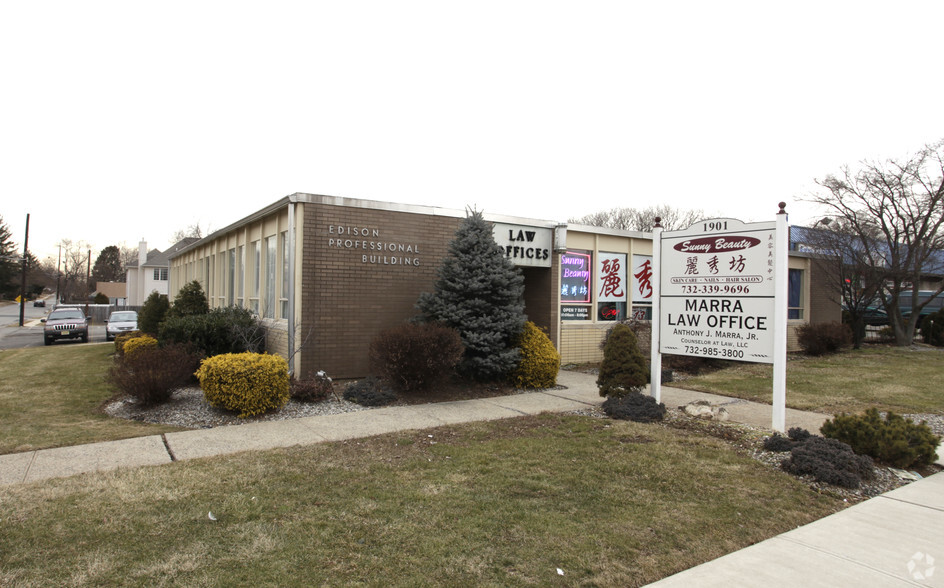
(890, 540)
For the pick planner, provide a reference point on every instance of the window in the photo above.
(575, 286)
(795, 294)
(241, 280)
(256, 276)
(231, 278)
(283, 297)
(160, 274)
(269, 308)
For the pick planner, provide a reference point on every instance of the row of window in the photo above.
(254, 276)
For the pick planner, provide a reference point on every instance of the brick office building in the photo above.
(342, 270)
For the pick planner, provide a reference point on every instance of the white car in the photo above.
(120, 322)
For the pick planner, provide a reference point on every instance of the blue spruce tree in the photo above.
(479, 293)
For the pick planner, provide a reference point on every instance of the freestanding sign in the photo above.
(722, 292)
(717, 288)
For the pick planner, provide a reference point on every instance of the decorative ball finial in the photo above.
(783, 208)
(658, 224)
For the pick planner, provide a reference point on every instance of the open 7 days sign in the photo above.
(717, 290)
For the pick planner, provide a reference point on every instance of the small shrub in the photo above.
(634, 407)
(153, 312)
(623, 369)
(151, 373)
(415, 356)
(101, 299)
(540, 361)
(369, 392)
(312, 388)
(829, 461)
(893, 440)
(122, 338)
(780, 444)
(824, 338)
(246, 383)
(133, 345)
(932, 329)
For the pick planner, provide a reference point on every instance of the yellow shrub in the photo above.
(246, 383)
(121, 338)
(134, 344)
(540, 361)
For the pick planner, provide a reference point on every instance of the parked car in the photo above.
(39, 302)
(935, 304)
(120, 322)
(65, 323)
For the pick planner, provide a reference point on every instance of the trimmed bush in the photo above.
(540, 361)
(623, 369)
(122, 338)
(829, 461)
(634, 407)
(222, 330)
(133, 345)
(151, 374)
(369, 392)
(824, 338)
(893, 440)
(312, 388)
(779, 443)
(246, 383)
(415, 356)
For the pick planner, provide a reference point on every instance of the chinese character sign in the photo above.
(611, 277)
(575, 277)
(642, 278)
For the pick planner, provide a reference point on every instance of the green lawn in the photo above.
(900, 379)
(52, 397)
(503, 503)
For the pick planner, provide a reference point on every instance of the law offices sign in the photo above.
(722, 292)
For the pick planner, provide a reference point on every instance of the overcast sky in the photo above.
(123, 121)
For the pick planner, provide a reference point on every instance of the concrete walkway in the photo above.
(891, 540)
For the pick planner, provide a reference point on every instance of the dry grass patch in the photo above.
(904, 380)
(497, 503)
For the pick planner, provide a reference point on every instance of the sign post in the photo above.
(723, 294)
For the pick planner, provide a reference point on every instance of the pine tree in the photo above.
(190, 300)
(479, 293)
(9, 269)
(153, 312)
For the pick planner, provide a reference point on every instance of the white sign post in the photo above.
(723, 293)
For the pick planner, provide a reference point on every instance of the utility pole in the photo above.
(25, 263)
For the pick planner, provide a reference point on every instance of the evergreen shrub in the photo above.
(824, 338)
(634, 406)
(829, 461)
(121, 338)
(415, 356)
(894, 440)
(369, 392)
(190, 300)
(779, 443)
(222, 330)
(624, 369)
(540, 361)
(151, 374)
(246, 383)
(312, 388)
(152, 313)
(133, 345)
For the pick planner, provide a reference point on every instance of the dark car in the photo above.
(39, 302)
(65, 323)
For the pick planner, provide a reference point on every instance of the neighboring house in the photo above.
(326, 275)
(150, 272)
(116, 292)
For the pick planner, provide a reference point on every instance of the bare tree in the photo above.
(194, 230)
(642, 219)
(895, 210)
(74, 269)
